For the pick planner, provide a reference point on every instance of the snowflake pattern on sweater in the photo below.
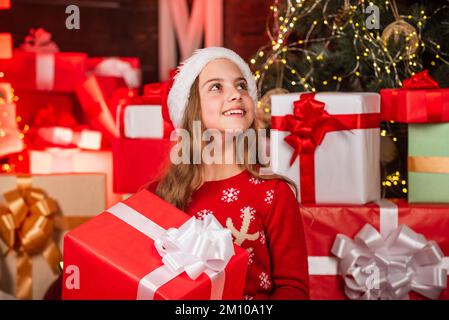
(264, 219)
(230, 195)
(202, 213)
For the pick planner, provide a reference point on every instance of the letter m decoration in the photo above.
(176, 26)
(5, 38)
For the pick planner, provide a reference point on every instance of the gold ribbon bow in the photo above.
(27, 224)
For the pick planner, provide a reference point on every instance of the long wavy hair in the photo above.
(178, 181)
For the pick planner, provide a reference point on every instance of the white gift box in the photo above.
(347, 163)
(143, 121)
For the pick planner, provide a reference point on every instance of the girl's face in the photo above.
(225, 103)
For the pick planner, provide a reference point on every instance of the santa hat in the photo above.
(189, 71)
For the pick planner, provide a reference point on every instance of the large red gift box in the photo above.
(420, 100)
(138, 161)
(322, 223)
(114, 257)
(56, 72)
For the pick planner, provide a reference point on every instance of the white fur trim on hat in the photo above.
(189, 70)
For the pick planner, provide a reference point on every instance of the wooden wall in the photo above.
(128, 27)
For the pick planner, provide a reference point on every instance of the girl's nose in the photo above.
(234, 94)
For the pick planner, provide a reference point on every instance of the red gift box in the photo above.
(125, 67)
(44, 108)
(138, 161)
(56, 72)
(157, 93)
(420, 100)
(99, 98)
(322, 223)
(115, 257)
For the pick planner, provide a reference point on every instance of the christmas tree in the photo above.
(354, 46)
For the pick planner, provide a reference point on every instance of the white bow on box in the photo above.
(196, 246)
(114, 67)
(388, 267)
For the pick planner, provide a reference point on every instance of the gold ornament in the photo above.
(400, 27)
(263, 110)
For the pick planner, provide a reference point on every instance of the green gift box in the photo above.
(428, 163)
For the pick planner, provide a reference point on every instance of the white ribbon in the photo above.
(385, 265)
(61, 160)
(197, 246)
(376, 268)
(45, 71)
(114, 67)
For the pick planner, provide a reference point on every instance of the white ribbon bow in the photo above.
(376, 267)
(115, 67)
(197, 246)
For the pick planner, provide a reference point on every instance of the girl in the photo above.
(215, 86)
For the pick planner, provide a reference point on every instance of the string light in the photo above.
(9, 164)
(372, 54)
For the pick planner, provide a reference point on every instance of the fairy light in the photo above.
(370, 48)
(8, 164)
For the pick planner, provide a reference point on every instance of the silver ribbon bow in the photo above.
(388, 268)
(197, 246)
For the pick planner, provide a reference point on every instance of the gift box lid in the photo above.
(335, 102)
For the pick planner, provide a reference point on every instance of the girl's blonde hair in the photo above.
(179, 181)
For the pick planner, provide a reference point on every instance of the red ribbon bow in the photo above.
(308, 125)
(39, 41)
(420, 81)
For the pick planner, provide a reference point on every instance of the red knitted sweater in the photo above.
(264, 218)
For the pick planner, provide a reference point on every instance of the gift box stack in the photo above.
(142, 148)
(65, 151)
(143, 247)
(359, 245)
